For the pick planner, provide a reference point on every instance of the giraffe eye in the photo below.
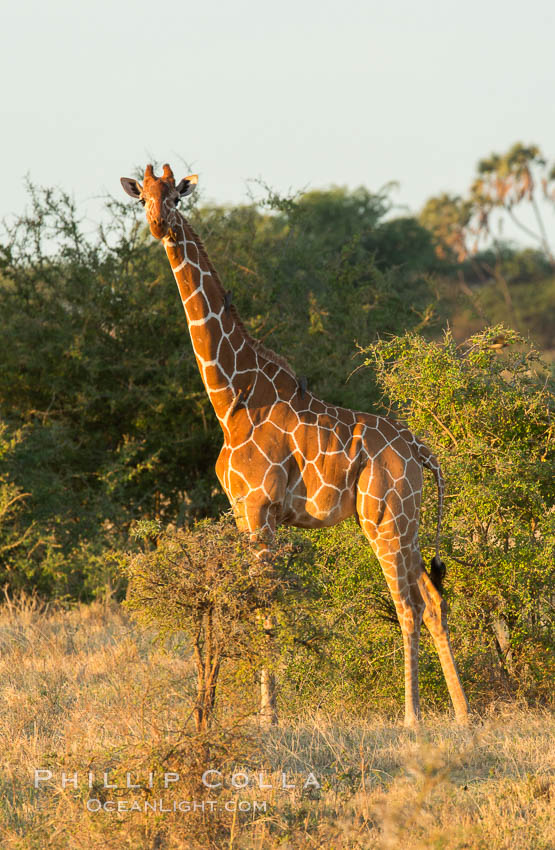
(177, 200)
(143, 202)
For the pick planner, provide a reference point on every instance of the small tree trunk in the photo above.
(268, 708)
(268, 711)
(199, 664)
(503, 646)
(207, 661)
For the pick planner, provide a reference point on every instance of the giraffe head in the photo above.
(160, 196)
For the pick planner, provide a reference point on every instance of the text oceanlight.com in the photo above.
(186, 806)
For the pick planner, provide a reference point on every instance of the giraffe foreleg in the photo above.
(258, 520)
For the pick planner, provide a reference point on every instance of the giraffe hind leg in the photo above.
(389, 516)
(416, 598)
(387, 509)
(435, 618)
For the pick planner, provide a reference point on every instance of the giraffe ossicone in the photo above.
(290, 458)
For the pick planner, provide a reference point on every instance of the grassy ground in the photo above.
(85, 690)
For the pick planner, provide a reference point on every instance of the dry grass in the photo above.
(85, 689)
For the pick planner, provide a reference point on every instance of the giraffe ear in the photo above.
(131, 187)
(186, 186)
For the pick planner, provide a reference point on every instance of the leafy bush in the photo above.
(207, 583)
(487, 409)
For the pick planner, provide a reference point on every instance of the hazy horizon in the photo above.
(300, 97)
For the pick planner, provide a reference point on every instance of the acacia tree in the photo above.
(207, 582)
(503, 183)
(448, 218)
(507, 180)
(14, 535)
(487, 408)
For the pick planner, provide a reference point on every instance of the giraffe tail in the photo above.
(437, 566)
(437, 573)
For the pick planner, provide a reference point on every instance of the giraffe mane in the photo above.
(258, 346)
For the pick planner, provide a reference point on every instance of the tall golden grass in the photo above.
(84, 689)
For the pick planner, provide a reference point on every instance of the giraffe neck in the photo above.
(227, 356)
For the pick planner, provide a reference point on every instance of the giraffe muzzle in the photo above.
(158, 228)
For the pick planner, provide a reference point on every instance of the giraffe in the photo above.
(290, 458)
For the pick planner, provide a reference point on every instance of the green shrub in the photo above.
(486, 408)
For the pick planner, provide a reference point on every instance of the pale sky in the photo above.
(300, 93)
